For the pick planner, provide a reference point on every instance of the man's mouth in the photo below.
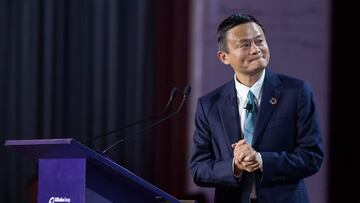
(255, 58)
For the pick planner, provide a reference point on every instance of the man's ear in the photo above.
(223, 57)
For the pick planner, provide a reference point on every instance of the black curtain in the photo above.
(73, 68)
(344, 127)
(170, 166)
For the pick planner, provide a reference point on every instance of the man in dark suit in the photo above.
(258, 136)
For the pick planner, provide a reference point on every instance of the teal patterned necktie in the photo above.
(249, 123)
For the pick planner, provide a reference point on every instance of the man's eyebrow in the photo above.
(245, 40)
(249, 39)
(259, 35)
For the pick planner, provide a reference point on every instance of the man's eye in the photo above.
(260, 41)
(245, 45)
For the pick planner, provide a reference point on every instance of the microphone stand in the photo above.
(187, 91)
(171, 98)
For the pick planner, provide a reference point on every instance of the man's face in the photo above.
(248, 52)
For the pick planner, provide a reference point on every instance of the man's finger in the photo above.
(249, 164)
(240, 142)
(251, 157)
(251, 168)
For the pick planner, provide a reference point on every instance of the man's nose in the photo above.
(254, 49)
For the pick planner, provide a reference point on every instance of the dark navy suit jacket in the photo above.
(287, 135)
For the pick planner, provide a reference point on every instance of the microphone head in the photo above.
(187, 90)
(174, 92)
(248, 107)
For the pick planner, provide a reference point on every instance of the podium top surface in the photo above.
(51, 148)
(70, 148)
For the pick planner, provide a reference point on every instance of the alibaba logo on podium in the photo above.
(59, 199)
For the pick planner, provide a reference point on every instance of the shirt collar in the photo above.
(243, 90)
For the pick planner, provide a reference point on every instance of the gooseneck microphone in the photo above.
(187, 92)
(173, 94)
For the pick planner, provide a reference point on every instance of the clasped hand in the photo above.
(245, 157)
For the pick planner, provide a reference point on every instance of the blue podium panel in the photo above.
(62, 179)
(72, 172)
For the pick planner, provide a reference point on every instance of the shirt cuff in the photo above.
(259, 158)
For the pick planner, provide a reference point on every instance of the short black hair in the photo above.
(229, 23)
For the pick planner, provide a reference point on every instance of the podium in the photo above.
(71, 172)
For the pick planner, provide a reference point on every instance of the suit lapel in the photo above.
(270, 97)
(229, 114)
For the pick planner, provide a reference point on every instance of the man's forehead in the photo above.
(245, 32)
